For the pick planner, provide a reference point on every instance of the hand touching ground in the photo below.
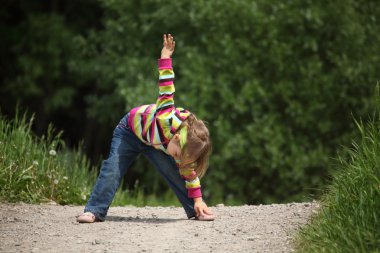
(201, 208)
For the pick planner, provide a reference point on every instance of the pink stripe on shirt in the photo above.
(166, 83)
(165, 63)
(194, 192)
(164, 111)
(132, 114)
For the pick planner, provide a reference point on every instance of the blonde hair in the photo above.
(196, 152)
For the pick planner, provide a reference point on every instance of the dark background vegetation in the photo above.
(277, 82)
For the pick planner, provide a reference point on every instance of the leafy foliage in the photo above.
(277, 82)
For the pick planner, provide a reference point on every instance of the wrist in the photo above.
(165, 56)
(198, 199)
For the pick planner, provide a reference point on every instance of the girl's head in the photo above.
(191, 144)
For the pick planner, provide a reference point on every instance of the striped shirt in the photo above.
(156, 124)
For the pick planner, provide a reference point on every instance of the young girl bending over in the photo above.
(172, 138)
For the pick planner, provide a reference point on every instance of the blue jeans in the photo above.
(125, 147)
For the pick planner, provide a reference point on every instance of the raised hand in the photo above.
(169, 45)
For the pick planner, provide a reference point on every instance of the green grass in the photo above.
(35, 170)
(349, 219)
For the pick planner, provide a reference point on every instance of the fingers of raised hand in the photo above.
(165, 40)
(170, 37)
(169, 42)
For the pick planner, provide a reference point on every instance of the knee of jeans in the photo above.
(111, 167)
(110, 176)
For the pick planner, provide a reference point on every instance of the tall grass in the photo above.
(35, 170)
(349, 220)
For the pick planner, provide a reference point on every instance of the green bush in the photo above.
(349, 219)
(276, 81)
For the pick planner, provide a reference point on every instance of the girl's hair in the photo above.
(196, 151)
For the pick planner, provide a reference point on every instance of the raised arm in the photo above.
(165, 100)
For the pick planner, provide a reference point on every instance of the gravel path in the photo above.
(52, 228)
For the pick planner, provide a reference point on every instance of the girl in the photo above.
(173, 139)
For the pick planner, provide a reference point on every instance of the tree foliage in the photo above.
(276, 82)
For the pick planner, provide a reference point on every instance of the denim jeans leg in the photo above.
(168, 169)
(125, 147)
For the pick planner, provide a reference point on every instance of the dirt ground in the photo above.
(52, 228)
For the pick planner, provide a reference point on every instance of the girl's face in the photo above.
(174, 148)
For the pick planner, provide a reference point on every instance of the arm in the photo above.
(192, 182)
(165, 100)
(166, 88)
(194, 191)
(165, 105)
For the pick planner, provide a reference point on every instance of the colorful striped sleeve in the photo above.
(165, 100)
(193, 184)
